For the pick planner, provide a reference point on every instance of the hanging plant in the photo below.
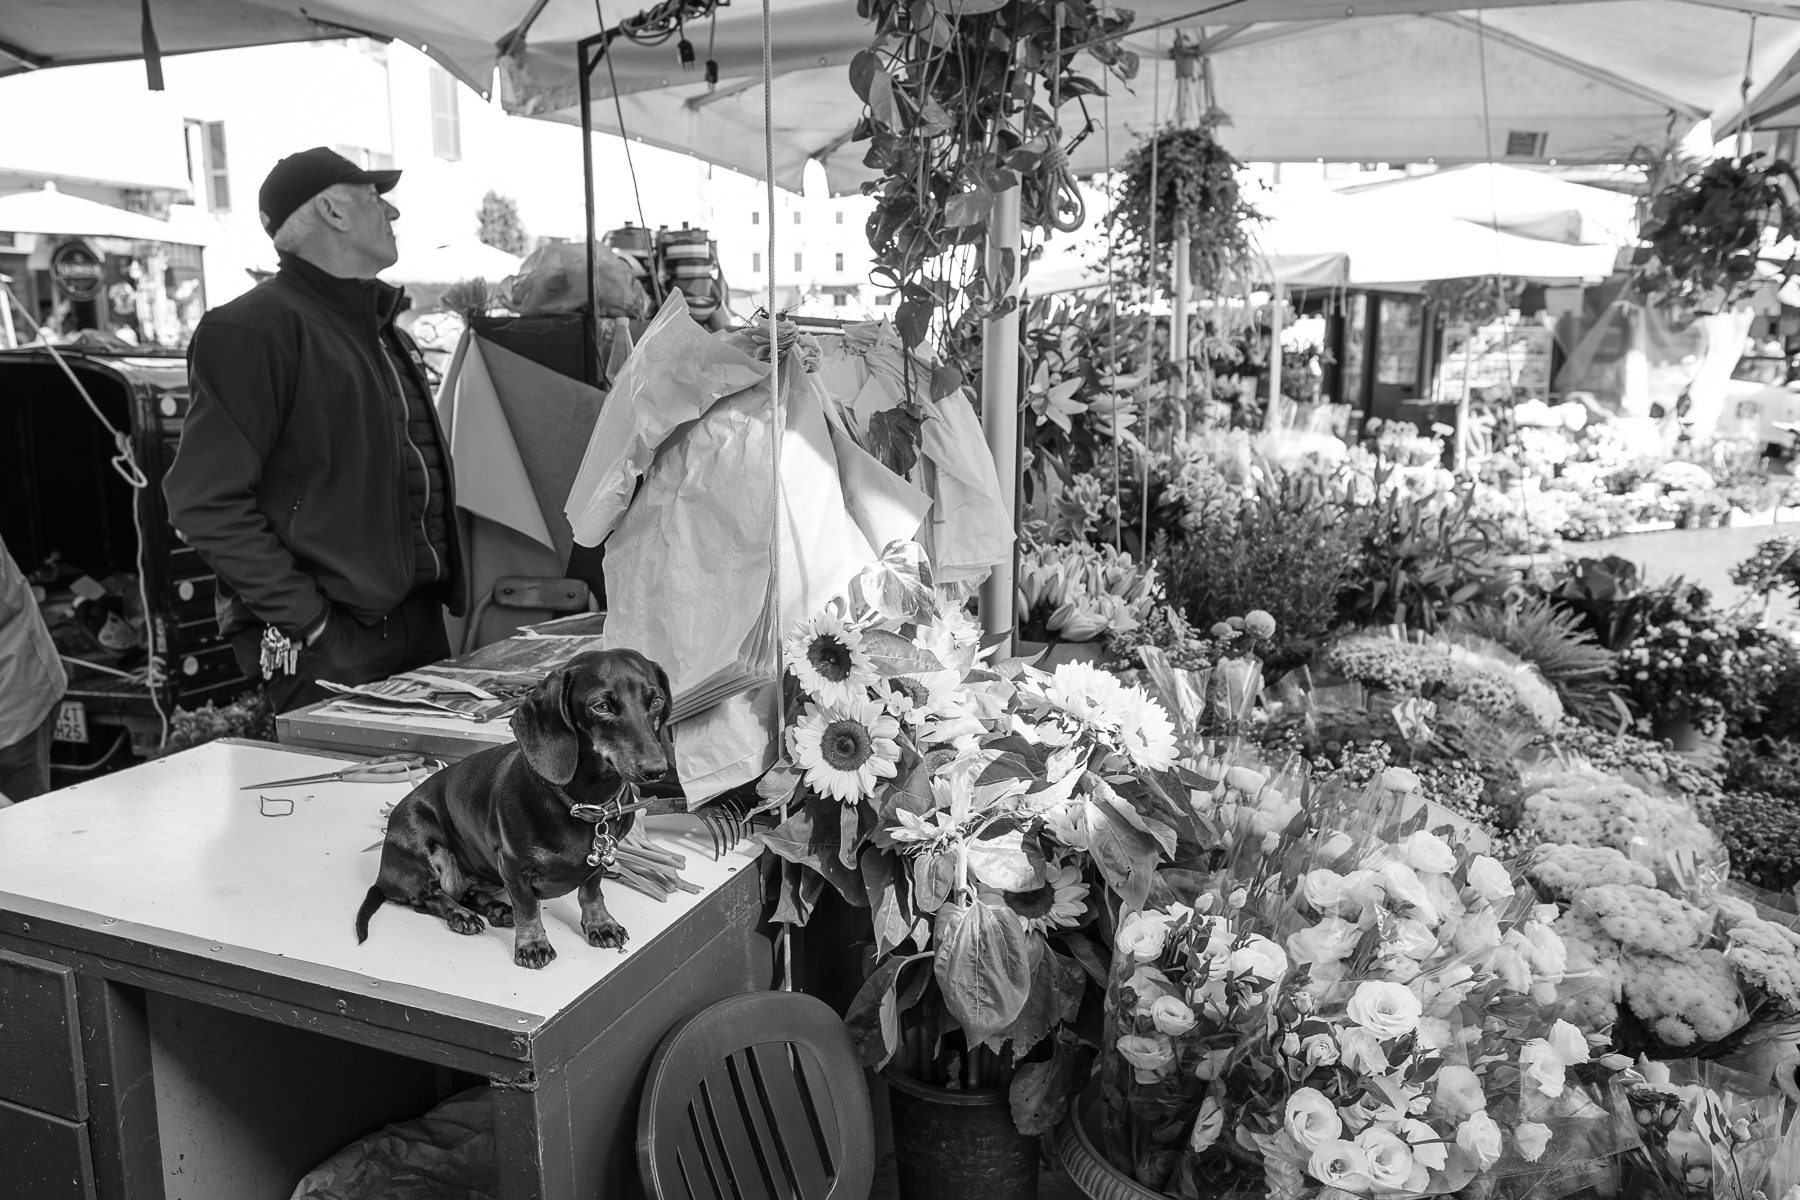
(1707, 231)
(1196, 191)
(960, 104)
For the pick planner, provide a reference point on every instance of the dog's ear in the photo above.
(545, 732)
(662, 681)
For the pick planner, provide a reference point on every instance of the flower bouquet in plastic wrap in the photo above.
(1347, 996)
(1208, 685)
(978, 810)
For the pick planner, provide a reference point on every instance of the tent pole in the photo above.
(590, 340)
(1000, 407)
(1187, 59)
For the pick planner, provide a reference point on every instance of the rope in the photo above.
(1112, 310)
(1150, 342)
(619, 111)
(768, 69)
(1744, 132)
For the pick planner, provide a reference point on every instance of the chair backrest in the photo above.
(760, 1097)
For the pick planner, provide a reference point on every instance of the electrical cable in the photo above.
(775, 413)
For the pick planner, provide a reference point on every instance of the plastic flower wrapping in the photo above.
(979, 810)
(1349, 994)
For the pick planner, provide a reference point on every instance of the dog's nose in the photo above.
(656, 772)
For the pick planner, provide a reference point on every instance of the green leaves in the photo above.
(873, 1018)
(983, 967)
(1125, 854)
(890, 654)
(811, 838)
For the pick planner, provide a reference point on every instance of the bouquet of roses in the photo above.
(1356, 998)
(976, 810)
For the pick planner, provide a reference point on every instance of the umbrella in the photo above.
(52, 212)
(451, 262)
(1393, 80)
(1528, 203)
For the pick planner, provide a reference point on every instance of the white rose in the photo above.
(1323, 889)
(1413, 939)
(1541, 1066)
(1245, 780)
(1570, 1045)
(1207, 1125)
(1362, 890)
(1480, 1136)
(1361, 1051)
(1320, 1050)
(1341, 1165)
(1261, 958)
(1428, 1149)
(1142, 935)
(1401, 884)
(1331, 940)
(1152, 1057)
(1489, 879)
(1512, 968)
(1385, 1009)
(1458, 1091)
(1434, 1033)
(1478, 933)
(1390, 1159)
(1399, 779)
(1426, 851)
(1336, 846)
(1543, 948)
(1311, 1119)
(1171, 1016)
(1531, 1138)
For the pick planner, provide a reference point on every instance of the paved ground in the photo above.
(1704, 556)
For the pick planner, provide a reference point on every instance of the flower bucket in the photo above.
(954, 1145)
(1077, 1146)
(1679, 732)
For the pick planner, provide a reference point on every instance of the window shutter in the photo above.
(446, 126)
(218, 177)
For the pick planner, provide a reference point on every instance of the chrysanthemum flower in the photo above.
(1092, 696)
(844, 749)
(829, 660)
(1146, 733)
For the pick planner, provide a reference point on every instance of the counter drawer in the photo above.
(40, 1038)
(43, 1157)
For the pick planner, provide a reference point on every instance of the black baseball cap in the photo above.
(299, 177)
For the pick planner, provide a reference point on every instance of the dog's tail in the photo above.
(370, 903)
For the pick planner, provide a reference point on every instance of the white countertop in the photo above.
(175, 845)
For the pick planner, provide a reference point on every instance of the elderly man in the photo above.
(312, 475)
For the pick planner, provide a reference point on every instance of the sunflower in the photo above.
(829, 660)
(845, 748)
(1092, 696)
(1057, 905)
(1145, 732)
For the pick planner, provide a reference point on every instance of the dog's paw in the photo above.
(608, 934)
(499, 913)
(533, 954)
(465, 923)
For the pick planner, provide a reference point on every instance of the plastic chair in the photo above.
(526, 591)
(760, 1097)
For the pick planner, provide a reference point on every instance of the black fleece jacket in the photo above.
(291, 477)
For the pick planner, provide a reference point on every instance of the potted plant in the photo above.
(993, 818)
(1691, 668)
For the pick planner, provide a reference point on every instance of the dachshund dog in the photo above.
(505, 827)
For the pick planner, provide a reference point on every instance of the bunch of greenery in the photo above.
(1762, 834)
(1422, 562)
(248, 716)
(1691, 661)
(1289, 552)
(1568, 656)
(1196, 193)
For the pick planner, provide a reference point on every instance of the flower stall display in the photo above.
(1691, 663)
(978, 809)
(1078, 592)
(1469, 671)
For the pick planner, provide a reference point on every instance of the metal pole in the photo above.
(1000, 405)
(591, 335)
(1186, 60)
(1275, 315)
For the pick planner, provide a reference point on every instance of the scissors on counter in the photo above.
(388, 768)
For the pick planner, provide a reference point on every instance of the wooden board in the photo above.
(40, 1056)
(172, 853)
(43, 1157)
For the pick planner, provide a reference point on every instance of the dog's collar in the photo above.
(601, 816)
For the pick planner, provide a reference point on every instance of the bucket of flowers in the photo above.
(978, 809)
(1359, 1001)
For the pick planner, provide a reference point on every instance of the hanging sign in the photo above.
(78, 274)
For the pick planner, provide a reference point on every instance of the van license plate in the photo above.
(71, 723)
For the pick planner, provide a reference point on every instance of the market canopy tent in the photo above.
(1330, 240)
(48, 211)
(1392, 80)
(451, 262)
(1528, 203)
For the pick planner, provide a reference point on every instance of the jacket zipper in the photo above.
(437, 565)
